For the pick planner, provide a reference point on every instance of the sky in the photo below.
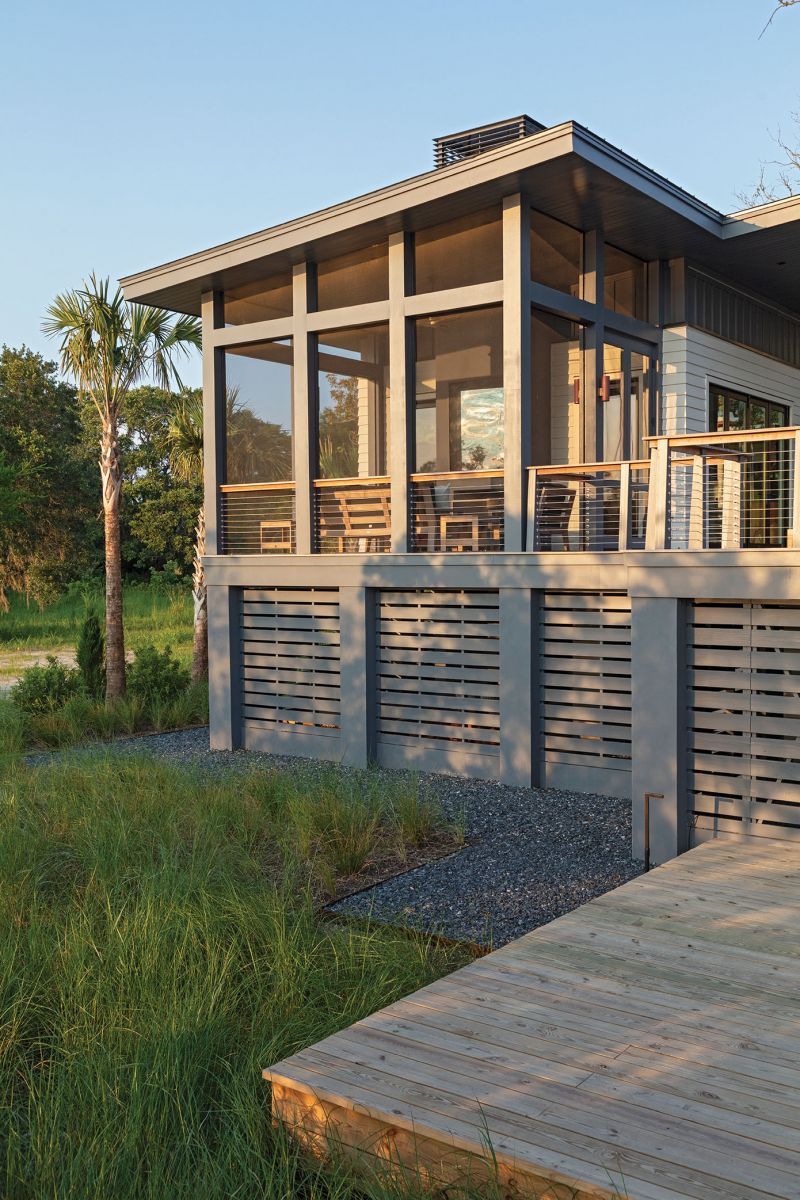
(134, 133)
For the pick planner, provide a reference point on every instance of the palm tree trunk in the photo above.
(200, 643)
(115, 639)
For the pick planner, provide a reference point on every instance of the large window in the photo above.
(462, 252)
(258, 413)
(265, 300)
(556, 254)
(358, 278)
(736, 410)
(625, 283)
(353, 388)
(459, 391)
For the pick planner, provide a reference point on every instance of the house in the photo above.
(500, 480)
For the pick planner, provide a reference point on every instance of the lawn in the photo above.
(161, 616)
(159, 945)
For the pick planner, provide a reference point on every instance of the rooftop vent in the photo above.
(457, 146)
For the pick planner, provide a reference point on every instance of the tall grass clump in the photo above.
(158, 947)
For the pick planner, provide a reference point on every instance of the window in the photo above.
(459, 391)
(737, 410)
(556, 254)
(358, 278)
(556, 412)
(460, 253)
(625, 283)
(264, 300)
(258, 413)
(353, 390)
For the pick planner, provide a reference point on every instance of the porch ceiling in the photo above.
(567, 171)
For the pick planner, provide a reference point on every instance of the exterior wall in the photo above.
(692, 360)
(580, 672)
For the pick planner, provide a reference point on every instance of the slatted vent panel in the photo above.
(438, 670)
(585, 665)
(290, 659)
(743, 717)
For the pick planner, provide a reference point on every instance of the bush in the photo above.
(156, 677)
(46, 689)
(91, 656)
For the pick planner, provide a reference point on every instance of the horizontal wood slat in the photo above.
(585, 679)
(290, 659)
(438, 669)
(743, 717)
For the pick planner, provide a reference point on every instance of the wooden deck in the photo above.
(646, 1045)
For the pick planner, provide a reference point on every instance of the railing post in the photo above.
(625, 506)
(697, 504)
(731, 504)
(658, 497)
(531, 538)
(795, 530)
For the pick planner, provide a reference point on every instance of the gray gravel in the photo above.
(532, 855)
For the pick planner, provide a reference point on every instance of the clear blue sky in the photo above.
(135, 133)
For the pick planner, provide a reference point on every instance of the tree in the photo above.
(185, 440)
(108, 346)
(48, 504)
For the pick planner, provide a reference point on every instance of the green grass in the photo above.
(156, 615)
(158, 947)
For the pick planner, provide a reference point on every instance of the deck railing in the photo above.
(257, 518)
(457, 511)
(588, 506)
(353, 516)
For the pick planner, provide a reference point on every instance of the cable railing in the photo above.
(725, 491)
(353, 516)
(257, 518)
(457, 511)
(588, 506)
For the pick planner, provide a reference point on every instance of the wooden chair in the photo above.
(555, 504)
(360, 515)
(275, 537)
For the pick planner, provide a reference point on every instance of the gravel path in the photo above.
(533, 855)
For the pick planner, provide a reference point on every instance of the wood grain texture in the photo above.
(646, 1045)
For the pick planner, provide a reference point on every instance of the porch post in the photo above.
(516, 366)
(357, 664)
(592, 289)
(304, 449)
(401, 375)
(519, 756)
(213, 417)
(224, 667)
(658, 680)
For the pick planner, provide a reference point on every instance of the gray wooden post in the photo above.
(658, 682)
(304, 434)
(224, 667)
(357, 674)
(213, 418)
(400, 376)
(594, 337)
(516, 366)
(519, 757)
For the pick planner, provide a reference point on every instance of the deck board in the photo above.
(646, 1045)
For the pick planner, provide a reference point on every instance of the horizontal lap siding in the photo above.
(743, 717)
(438, 670)
(585, 680)
(290, 659)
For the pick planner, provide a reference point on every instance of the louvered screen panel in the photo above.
(585, 679)
(438, 669)
(290, 658)
(743, 717)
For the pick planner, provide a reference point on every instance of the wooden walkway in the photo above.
(646, 1045)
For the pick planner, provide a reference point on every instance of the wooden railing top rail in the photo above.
(579, 468)
(776, 434)
(279, 486)
(434, 476)
(350, 481)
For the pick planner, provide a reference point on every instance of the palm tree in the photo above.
(109, 346)
(185, 442)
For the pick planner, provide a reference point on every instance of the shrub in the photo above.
(156, 677)
(46, 689)
(91, 656)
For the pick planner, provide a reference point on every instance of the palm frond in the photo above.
(185, 438)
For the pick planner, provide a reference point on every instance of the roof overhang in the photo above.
(566, 170)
